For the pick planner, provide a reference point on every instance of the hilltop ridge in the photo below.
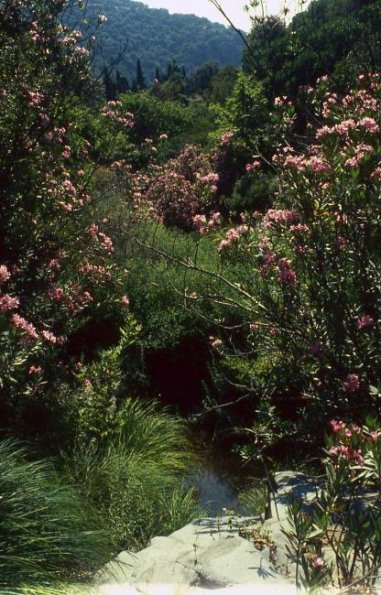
(157, 37)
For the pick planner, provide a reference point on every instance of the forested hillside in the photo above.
(157, 37)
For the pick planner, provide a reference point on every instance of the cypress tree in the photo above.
(140, 82)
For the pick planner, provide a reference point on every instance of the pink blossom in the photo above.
(25, 326)
(35, 98)
(370, 124)
(54, 264)
(296, 162)
(317, 562)
(49, 337)
(348, 453)
(253, 166)
(35, 370)
(4, 274)
(337, 426)
(352, 383)
(299, 228)
(318, 165)
(215, 219)
(223, 245)
(365, 321)
(56, 293)
(280, 216)
(8, 302)
(125, 301)
(344, 127)
(226, 137)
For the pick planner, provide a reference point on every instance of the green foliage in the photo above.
(153, 116)
(343, 525)
(57, 276)
(136, 479)
(340, 38)
(254, 501)
(156, 38)
(46, 529)
(245, 113)
(222, 84)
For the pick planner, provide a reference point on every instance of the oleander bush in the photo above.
(312, 298)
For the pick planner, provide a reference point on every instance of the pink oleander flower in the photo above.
(318, 165)
(35, 98)
(23, 325)
(223, 245)
(280, 217)
(352, 383)
(69, 187)
(253, 166)
(370, 124)
(297, 162)
(299, 228)
(344, 127)
(348, 453)
(317, 562)
(232, 235)
(87, 383)
(49, 337)
(365, 321)
(374, 436)
(56, 293)
(4, 274)
(35, 370)
(125, 301)
(215, 219)
(8, 302)
(54, 264)
(226, 137)
(337, 426)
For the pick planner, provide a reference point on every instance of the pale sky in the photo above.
(233, 8)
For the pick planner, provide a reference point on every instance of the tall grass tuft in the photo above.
(137, 481)
(46, 531)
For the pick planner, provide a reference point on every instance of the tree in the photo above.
(140, 81)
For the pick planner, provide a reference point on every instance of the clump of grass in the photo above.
(137, 480)
(46, 530)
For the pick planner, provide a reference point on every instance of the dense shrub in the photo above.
(313, 285)
(56, 272)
